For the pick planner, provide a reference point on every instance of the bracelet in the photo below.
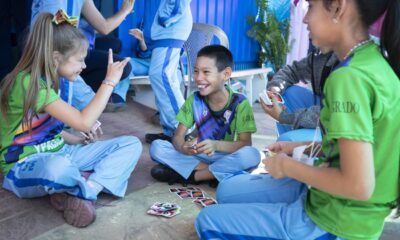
(109, 82)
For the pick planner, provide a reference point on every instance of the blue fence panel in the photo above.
(229, 15)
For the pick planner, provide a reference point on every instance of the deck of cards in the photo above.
(165, 209)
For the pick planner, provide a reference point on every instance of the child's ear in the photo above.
(57, 58)
(227, 73)
(337, 9)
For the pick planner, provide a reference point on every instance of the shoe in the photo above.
(115, 104)
(213, 183)
(77, 212)
(164, 173)
(150, 137)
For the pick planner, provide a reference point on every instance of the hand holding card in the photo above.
(266, 97)
(92, 135)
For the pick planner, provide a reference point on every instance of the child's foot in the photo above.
(115, 104)
(77, 212)
(150, 137)
(164, 173)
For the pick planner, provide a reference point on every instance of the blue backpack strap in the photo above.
(214, 125)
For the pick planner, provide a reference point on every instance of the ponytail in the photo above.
(390, 35)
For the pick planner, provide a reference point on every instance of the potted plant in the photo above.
(271, 35)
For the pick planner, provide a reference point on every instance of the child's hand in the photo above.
(127, 6)
(207, 147)
(189, 148)
(137, 34)
(93, 135)
(283, 147)
(115, 69)
(275, 165)
(275, 109)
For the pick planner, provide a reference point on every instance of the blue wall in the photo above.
(230, 15)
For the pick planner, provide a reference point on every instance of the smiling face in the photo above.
(207, 77)
(321, 24)
(71, 66)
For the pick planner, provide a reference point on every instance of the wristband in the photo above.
(109, 82)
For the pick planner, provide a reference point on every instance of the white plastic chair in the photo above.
(201, 35)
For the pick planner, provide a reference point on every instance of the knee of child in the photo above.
(59, 167)
(156, 148)
(251, 155)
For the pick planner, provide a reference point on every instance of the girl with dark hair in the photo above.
(354, 185)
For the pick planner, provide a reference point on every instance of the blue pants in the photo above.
(221, 165)
(166, 86)
(297, 97)
(258, 207)
(112, 162)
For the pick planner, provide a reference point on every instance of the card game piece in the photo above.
(196, 194)
(96, 125)
(268, 153)
(205, 201)
(164, 209)
(267, 100)
(167, 214)
(184, 189)
(183, 194)
(164, 206)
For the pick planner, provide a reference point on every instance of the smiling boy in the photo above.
(224, 121)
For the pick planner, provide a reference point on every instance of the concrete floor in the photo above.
(126, 218)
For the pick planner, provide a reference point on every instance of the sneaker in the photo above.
(77, 212)
(164, 173)
(115, 104)
(150, 137)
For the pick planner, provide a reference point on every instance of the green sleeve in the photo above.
(245, 118)
(185, 114)
(348, 114)
(45, 96)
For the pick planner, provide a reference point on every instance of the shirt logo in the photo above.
(345, 107)
(227, 115)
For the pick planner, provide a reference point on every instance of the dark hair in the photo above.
(222, 55)
(370, 11)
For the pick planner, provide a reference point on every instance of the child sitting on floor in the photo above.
(224, 121)
(36, 157)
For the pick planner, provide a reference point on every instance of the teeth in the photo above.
(201, 86)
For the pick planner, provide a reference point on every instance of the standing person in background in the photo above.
(82, 93)
(171, 28)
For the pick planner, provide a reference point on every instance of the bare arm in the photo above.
(105, 25)
(83, 121)
(355, 179)
(182, 146)
(71, 139)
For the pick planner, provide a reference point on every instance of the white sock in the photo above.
(95, 186)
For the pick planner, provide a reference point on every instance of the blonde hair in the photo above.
(37, 60)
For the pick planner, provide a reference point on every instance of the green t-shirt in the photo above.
(361, 102)
(17, 143)
(242, 122)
